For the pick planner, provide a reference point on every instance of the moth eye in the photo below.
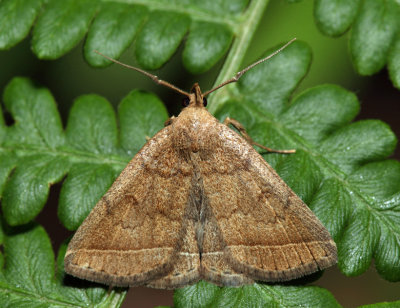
(185, 102)
(204, 102)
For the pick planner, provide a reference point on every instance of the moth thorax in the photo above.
(195, 136)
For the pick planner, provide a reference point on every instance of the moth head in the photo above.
(195, 97)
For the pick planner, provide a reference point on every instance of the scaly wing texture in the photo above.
(134, 233)
(269, 234)
(215, 262)
(186, 268)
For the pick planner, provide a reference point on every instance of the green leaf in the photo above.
(61, 26)
(35, 114)
(28, 279)
(378, 227)
(160, 37)
(92, 125)
(211, 26)
(204, 294)
(382, 305)
(357, 143)
(267, 86)
(206, 44)
(374, 24)
(372, 35)
(394, 63)
(27, 190)
(7, 163)
(16, 19)
(140, 116)
(37, 124)
(201, 294)
(340, 105)
(335, 17)
(84, 186)
(227, 7)
(112, 31)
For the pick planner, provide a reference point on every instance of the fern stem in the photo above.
(244, 35)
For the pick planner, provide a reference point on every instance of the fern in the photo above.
(374, 35)
(340, 169)
(62, 24)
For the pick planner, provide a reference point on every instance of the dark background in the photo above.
(70, 76)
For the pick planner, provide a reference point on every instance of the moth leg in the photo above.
(169, 121)
(246, 136)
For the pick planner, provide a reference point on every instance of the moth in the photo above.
(199, 202)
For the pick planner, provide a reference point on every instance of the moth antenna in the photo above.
(153, 77)
(240, 74)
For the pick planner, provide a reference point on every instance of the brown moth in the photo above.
(198, 202)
